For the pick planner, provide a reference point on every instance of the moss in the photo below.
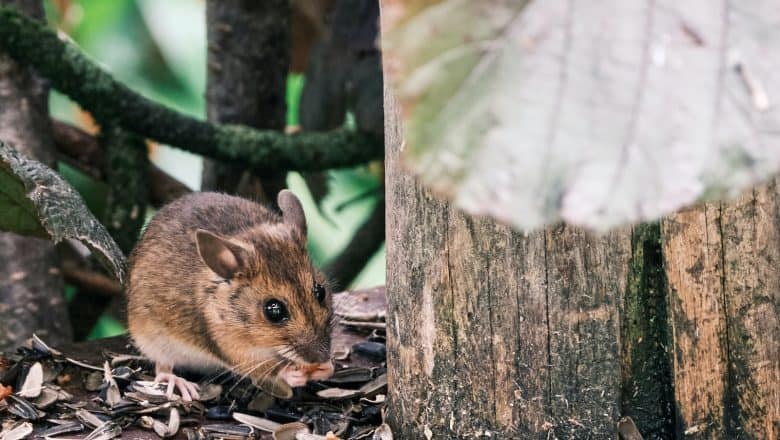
(648, 393)
(72, 73)
(127, 172)
(742, 409)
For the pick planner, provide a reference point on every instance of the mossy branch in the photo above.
(127, 175)
(82, 151)
(74, 74)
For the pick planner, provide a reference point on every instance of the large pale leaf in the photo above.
(34, 200)
(594, 112)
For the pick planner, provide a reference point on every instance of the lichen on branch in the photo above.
(74, 74)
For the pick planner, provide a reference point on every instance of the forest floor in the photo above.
(102, 389)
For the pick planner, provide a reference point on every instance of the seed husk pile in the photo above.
(45, 393)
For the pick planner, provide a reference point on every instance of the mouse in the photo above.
(222, 282)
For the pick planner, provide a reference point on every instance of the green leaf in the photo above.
(595, 113)
(106, 327)
(35, 200)
(18, 211)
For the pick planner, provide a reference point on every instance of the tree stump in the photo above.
(492, 332)
(660, 331)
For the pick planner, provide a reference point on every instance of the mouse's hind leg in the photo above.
(187, 389)
(167, 352)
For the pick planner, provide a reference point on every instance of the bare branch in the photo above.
(90, 281)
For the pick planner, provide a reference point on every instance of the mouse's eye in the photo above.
(275, 311)
(319, 292)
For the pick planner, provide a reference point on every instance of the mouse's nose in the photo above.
(315, 353)
(321, 357)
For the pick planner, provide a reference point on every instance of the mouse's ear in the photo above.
(221, 255)
(292, 211)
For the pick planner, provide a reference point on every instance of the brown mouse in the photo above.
(218, 281)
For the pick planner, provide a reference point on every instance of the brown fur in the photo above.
(173, 295)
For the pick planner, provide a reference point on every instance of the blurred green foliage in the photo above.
(159, 49)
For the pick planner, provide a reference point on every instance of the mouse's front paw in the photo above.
(187, 389)
(294, 376)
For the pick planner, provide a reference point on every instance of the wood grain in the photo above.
(493, 331)
(722, 262)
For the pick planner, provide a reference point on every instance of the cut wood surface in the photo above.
(750, 230)
(722, 262)
(494, 332)
(663, 331)
(586, 280)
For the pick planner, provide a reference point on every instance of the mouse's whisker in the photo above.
(266, 373)
(251, 366)
(291, 355)
(282, 355)
(263, 363)
(285, 353)
(212, 378)
(255, 356)
(250, 371)
(283, 363)
(227, 371)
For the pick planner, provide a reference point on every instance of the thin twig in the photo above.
(89, 280)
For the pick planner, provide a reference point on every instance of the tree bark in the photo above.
(345, 74)
(248, 61)
(31, 285)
